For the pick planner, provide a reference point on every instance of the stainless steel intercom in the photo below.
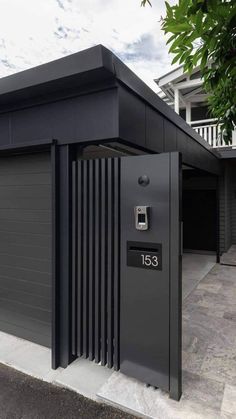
(141, 214)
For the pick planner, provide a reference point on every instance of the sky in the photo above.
(33, 32)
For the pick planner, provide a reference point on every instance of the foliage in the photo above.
(204, 32)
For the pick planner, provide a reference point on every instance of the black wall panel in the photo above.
(132, 118)
(88, 117)
(233, 202)
(145, 126)
(31, 124)
(154, 130)
(25, 246)
(170, 133)
(4, 129)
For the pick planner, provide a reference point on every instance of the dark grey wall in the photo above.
(228, 206)
(233, 202)
(88, 117)
(25, 246)
(141, 124)
(225, 209)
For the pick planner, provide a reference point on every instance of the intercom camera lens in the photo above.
(143, 180)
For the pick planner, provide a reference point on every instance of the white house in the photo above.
(186, 95)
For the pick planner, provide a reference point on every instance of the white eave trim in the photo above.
(170, 77)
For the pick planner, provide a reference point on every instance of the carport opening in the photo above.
(199, 212)
(200, 227)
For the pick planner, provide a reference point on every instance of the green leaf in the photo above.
(184, 57)
(199, 19)
(169, 8)
(176, 58)
(181, 27)
(204, 59)
(171, 39)
(144, 2)
(177, 43)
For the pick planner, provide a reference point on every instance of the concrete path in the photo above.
(229, 258)
(209, 358)
(24, 397)
(194, 268)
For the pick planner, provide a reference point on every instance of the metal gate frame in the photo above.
(62, 322)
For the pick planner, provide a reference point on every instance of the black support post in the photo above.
(62, 157)
(55, 255)
(175, 277)
(218, 220)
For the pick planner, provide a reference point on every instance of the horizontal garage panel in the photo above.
(26, 192)
(26, 298)
(26, 164)
(31, 287)
(28, 310)
(25, 227)
(26, 274)
(25, 246)
(23, 201)
(33, 264)
(42, 240)
(28, 328)
(43, 216)
(25, 251)
(25, 180)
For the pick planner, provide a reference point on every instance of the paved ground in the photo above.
(209, 357)
(229, 258)
(194, 268)
(24, 397)
(209, 364)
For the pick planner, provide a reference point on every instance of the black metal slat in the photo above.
(86, 257)
(98, 258)
(91, 256)
(97, 206)
(80, 261)
(116, 243)
(74, 259)
(110, 262)
(103, 262)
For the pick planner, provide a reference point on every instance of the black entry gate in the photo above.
(126, 288)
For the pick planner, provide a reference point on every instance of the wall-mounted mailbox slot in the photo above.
(144, 255)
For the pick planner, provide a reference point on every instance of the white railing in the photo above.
(210, 131)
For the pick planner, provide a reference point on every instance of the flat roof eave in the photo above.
(96, 64)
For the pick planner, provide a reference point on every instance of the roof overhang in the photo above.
(92, 66)
(190, 87)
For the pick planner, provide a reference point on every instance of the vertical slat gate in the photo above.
(96, 260)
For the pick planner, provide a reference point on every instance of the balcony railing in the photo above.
(210, 131)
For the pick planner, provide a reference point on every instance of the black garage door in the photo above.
(25, 246)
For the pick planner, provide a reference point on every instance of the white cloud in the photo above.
(34, 32)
